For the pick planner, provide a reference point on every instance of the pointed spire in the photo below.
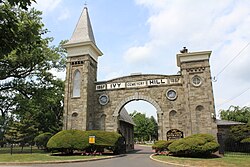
(83, 31)
(82, 41)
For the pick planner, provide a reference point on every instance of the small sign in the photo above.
(91, 139)
(174, 134)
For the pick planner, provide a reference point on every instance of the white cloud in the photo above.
(138, 53)
(220, 26)
(61, 75)
(47, 5)
(65, 14)
(196, 24)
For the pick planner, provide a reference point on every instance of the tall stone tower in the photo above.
(197, 92)
(81, 74)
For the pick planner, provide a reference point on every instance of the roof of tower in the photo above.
(83, 31)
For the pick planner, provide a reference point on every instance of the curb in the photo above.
(169, 163)
(57, 162)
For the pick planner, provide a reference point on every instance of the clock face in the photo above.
(103, 99)
(171, 94)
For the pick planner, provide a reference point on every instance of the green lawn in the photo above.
(40, 157)
(226, 161)
(37, 155)
(7, 150)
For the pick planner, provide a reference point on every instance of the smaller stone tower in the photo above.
(81, 74)
(198, 92)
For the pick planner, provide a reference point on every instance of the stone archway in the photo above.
(136, 96)
(93, 99)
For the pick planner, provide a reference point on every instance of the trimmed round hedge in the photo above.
(68, 141)
(197, 145)
(161, 145)
(42, 140)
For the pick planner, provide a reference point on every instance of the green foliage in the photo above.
(161, 145)
(239, 132)
(235, 113)
(69, 140)
(21, 132)
(146, 128)
(195, 145)
(28, 90)
(22, 3)
(42, 140)
(246, 140)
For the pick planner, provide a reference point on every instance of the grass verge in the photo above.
(226, 161)
(41, 157)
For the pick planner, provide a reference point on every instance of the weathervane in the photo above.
(85, 4)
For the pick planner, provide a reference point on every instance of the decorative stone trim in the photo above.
(195, 70)
(77, 62)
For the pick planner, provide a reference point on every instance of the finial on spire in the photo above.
(85, 4)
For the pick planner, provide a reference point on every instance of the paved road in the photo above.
(138, 159)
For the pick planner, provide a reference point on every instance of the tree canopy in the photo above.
(236, 113)
(29, 93)
(146, 128)
(22, 3)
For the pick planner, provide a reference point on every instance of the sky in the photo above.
(144, 36)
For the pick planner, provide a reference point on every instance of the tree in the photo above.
(22, 3)
(11, 34)
(44, 107)
(29, 92)
(146, 128)
(21, 132)
(154, 135)
(23, 51)
(239, 132)
(7, 105)
(235, 113)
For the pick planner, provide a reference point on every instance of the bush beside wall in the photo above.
(68, 141)
(161, 145)
(197, 145)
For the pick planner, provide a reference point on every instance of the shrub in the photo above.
(69, 140)
(239, 132)
(110, 140)
(195, 146)
(42, 140)
(161, 145)
(246, 140)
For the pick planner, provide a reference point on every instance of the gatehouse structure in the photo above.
(184, 102)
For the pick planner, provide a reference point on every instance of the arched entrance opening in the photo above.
(125, 124)
(144, 116)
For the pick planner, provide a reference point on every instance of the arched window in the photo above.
(173, 119)
(76, 84)
(102, 123)
(74, 120)
(199, 117)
